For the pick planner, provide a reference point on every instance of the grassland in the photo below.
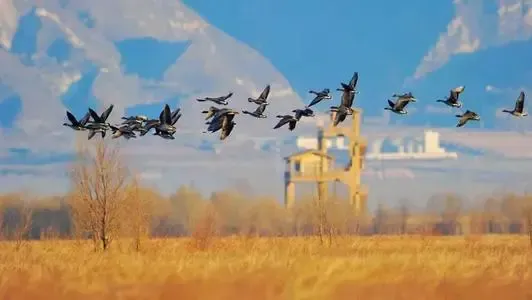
(482, 267)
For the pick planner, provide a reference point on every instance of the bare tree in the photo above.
(139, 207)
(528, 216)
(98, 180)
(23, 227)
(2, 212)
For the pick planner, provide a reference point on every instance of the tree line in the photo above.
(107, 202)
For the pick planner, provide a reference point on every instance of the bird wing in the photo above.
(260, 110)
(462, 121)
(520, 102)
(167, 114)
(106, 113)
(391, 104)
(298, 113)
(226, 130)
(265, 93)
(91, 134)
(161, 117)
(316, 100)
(292, 124)
(346, 101)
(175, 119)
(175, 113)
(229, 117)
(220, 113)
(227, 96)
(85, 119)
(401, 103)
(453, 96)
(71, 118)
(283, 121)
(211, 112)
(95, 116)
(354, 81)
(226, 120)
(340, 117)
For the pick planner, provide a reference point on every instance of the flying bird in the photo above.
(258, 112)
(217, 122)
(307, 112)
(155, 123)
(339, 113)
(519, 108)
(214, 112)
(165, 122)
(218, 100)
(320, 96)
(75, 124)
(124, 131)
(227, 125)
(467, 116)
(398, 107)
(263, 97)
(352, 86)
(453, 99)
(99, 123)
(286, 119)
(406, 96)
(138, 118)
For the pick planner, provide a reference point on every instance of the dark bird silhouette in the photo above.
(406, 96)
(320, 96)
(286, 119)
(453, 99)
(467, 116)
(99, 123)
(258, 112)
(263, 97)
(351, 86)
(227, 125)
(519, 108)
(398, 107)
(124, 131)
(218, 100)
(307, 112)
(75, 124)
(339, 113)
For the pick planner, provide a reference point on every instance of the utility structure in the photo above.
(316, 166)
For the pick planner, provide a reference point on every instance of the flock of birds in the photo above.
(223, 118)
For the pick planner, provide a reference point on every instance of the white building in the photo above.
(428, 149)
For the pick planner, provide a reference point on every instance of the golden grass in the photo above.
(488, 267)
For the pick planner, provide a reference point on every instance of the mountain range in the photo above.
(59, 54)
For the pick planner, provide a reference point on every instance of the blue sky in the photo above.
(320, 43)
(141, 62)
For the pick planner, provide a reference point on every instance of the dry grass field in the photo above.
(394, 267)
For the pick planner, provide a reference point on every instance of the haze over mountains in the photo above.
(58, 54)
